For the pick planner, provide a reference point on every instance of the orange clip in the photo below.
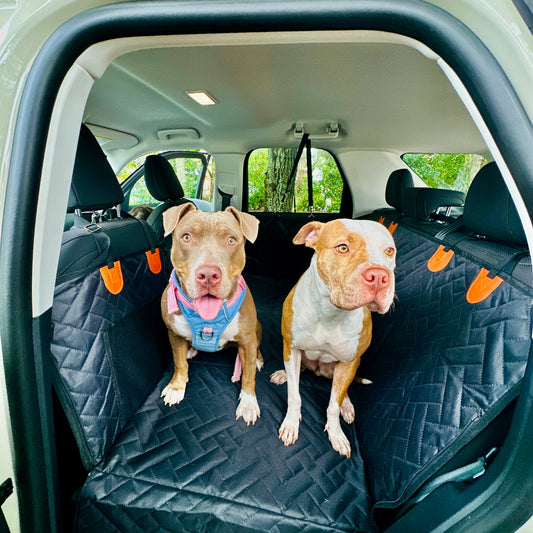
(381, 219)
(154, 261)
(392, 227)
(113, 277)
(482, 286)
(440, 259)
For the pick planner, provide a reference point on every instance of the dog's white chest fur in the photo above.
(324, 332)
(182, 328)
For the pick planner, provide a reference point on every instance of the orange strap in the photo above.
(482, 287)
(154, 261)
(113, 277)
(392, 227)
(440, 259)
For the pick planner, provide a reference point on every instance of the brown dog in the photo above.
(326, 322)
(207, 304)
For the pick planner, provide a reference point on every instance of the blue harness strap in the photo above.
(206, 333)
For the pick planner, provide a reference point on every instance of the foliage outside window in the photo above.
(446, 171)
(269, 188)
(188, 171)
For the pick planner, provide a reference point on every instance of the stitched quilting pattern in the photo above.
(193, 467)
(83, 311)
(442, 368)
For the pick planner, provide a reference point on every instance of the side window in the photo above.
(445, 171)
(270, 190)
(194, 170)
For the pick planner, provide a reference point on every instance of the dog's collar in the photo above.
(205, 333)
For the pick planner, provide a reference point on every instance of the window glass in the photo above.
(209, 182)
(188, 168)
(445, 171)
(269, 188)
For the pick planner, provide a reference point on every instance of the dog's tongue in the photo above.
(208, 306)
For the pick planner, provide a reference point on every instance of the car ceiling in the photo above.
(385, 96)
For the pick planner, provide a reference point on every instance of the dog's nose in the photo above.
(208, 276)
(375, 277)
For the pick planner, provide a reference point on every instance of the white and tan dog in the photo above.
(326, 321)
(207, 304)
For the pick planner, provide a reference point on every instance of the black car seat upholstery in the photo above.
(163, 184)
(422, 202)
(451, 354)
(398, 181)
(110, 268)
(443, 367)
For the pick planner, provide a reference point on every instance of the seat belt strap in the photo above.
(226, 198)
(303, 143)
(465, 473)
(309, 173)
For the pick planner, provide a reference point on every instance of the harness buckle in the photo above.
(207, 334)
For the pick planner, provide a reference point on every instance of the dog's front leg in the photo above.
(288, 432)
(248, 407)
(343, 376)
(174, 392)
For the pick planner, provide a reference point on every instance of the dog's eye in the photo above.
(342, 248)
(186, 237)
(232, 241)
(389, 252)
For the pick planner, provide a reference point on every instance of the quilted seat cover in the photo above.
(193, 467)
(442, 369)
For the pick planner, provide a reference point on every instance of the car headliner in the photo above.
(387, 93)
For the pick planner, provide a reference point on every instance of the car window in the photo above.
(195, 171)
(270, 190)
(445, 171)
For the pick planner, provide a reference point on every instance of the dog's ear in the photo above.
(309, 234)
(248, 223)
(172, 216)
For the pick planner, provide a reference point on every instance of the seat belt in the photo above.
(309, 173)
(465, 473)
(226, 198)
(303, 144)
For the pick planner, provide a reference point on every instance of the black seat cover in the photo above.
(398, 181)
(163, 185)
(489, 208)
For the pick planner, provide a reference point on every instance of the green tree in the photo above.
(447, 171)
(279, 193)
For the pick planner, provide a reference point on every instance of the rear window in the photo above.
(270, 190)
(445, 171)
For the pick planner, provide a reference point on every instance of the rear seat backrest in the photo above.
(108, 270)
(489, 208)
(398, 181)
(447, 359)
(421, 202)
(163, 184)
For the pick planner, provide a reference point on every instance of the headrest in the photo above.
(489, 209)
(420, 202)
(94, 184)
(161, 180)
(398, 181)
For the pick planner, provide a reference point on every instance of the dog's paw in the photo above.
(259, 361)
(338, 440)
(248, 408)
(347, 410)
(278, 377)
(288, 432)
(171, 395)
(191, 352)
